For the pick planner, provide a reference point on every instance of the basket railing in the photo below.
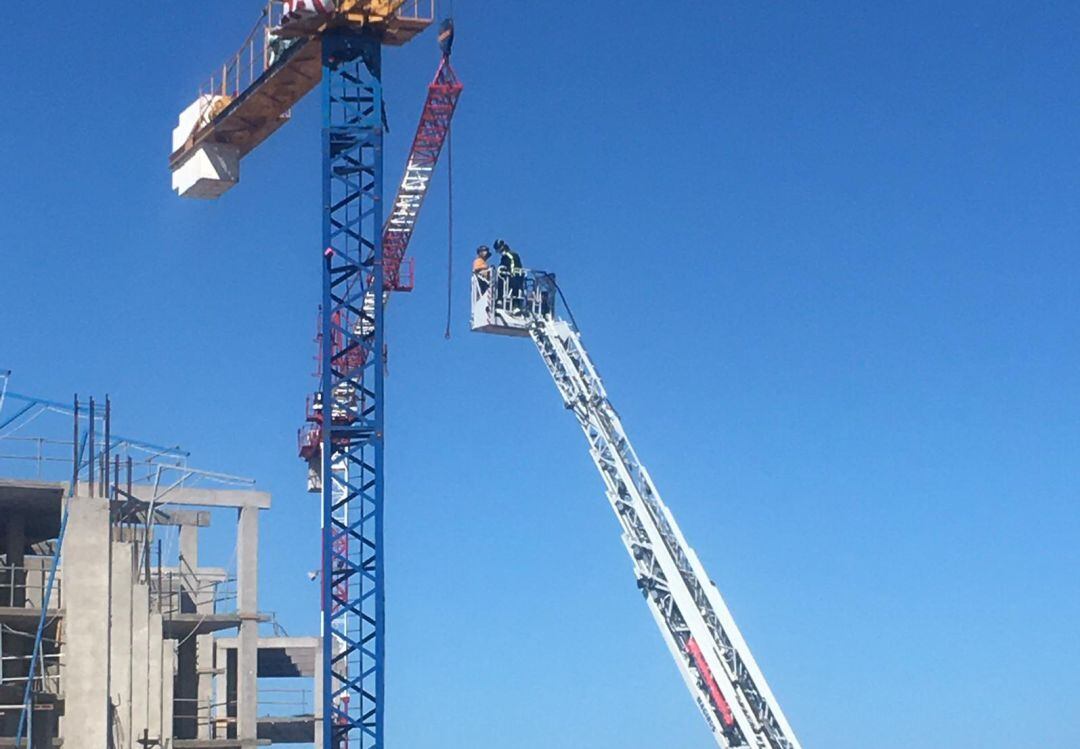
(263, 46)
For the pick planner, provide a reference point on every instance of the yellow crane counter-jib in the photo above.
(253, 92)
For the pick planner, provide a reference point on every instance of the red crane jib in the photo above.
(431, 133)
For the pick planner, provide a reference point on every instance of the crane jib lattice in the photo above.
(431, 133)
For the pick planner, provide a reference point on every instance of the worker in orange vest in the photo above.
(481, 269)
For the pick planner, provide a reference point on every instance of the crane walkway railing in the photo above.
(416, 10)
(250, 61)
(263, 48)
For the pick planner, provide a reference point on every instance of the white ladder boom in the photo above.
(712, 656)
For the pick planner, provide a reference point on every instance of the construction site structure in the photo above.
(115, 631)
(710, 652)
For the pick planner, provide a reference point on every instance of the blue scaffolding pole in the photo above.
(352, 392)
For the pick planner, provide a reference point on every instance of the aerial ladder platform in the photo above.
(710, 652)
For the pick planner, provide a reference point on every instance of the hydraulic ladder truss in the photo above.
(707, 646)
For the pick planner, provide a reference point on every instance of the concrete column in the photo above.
(247, 603)
(15, 543)
(120, 685)
(168, 667)
(221, 698)
(198, 596)
(318, 698)
(188, 665)
(141, 655)
(157, 672)
(204, 664)
(86, 613)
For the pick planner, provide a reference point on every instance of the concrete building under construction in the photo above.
(132, 640)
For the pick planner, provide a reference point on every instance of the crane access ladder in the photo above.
(708, 648)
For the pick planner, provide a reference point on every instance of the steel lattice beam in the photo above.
(431, 133)
(352, 380)
(713, 659)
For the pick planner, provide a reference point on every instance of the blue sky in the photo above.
(823, 254)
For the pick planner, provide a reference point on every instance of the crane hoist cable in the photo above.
(449, 229)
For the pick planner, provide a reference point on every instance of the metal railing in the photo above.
(37, 451)
(522, 295)
(192, 708)
(175, 592)
(264, 46)
(23, 587)
(285, 702)
(13, 669)
(220, 713)
(49, 458)
(249, 62)
(417, 10)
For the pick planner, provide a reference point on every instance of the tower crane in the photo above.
(710, 652)
(295, 45)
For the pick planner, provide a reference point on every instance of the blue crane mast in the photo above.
(354, 616)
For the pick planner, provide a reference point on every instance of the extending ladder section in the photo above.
(707, 646)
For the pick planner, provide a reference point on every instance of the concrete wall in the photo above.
(86, 622)
(123, 564)
(247, 602)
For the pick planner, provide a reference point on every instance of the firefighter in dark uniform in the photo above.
(511, 276)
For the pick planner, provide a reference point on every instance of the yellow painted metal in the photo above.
(376, 8)
(264, 84)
